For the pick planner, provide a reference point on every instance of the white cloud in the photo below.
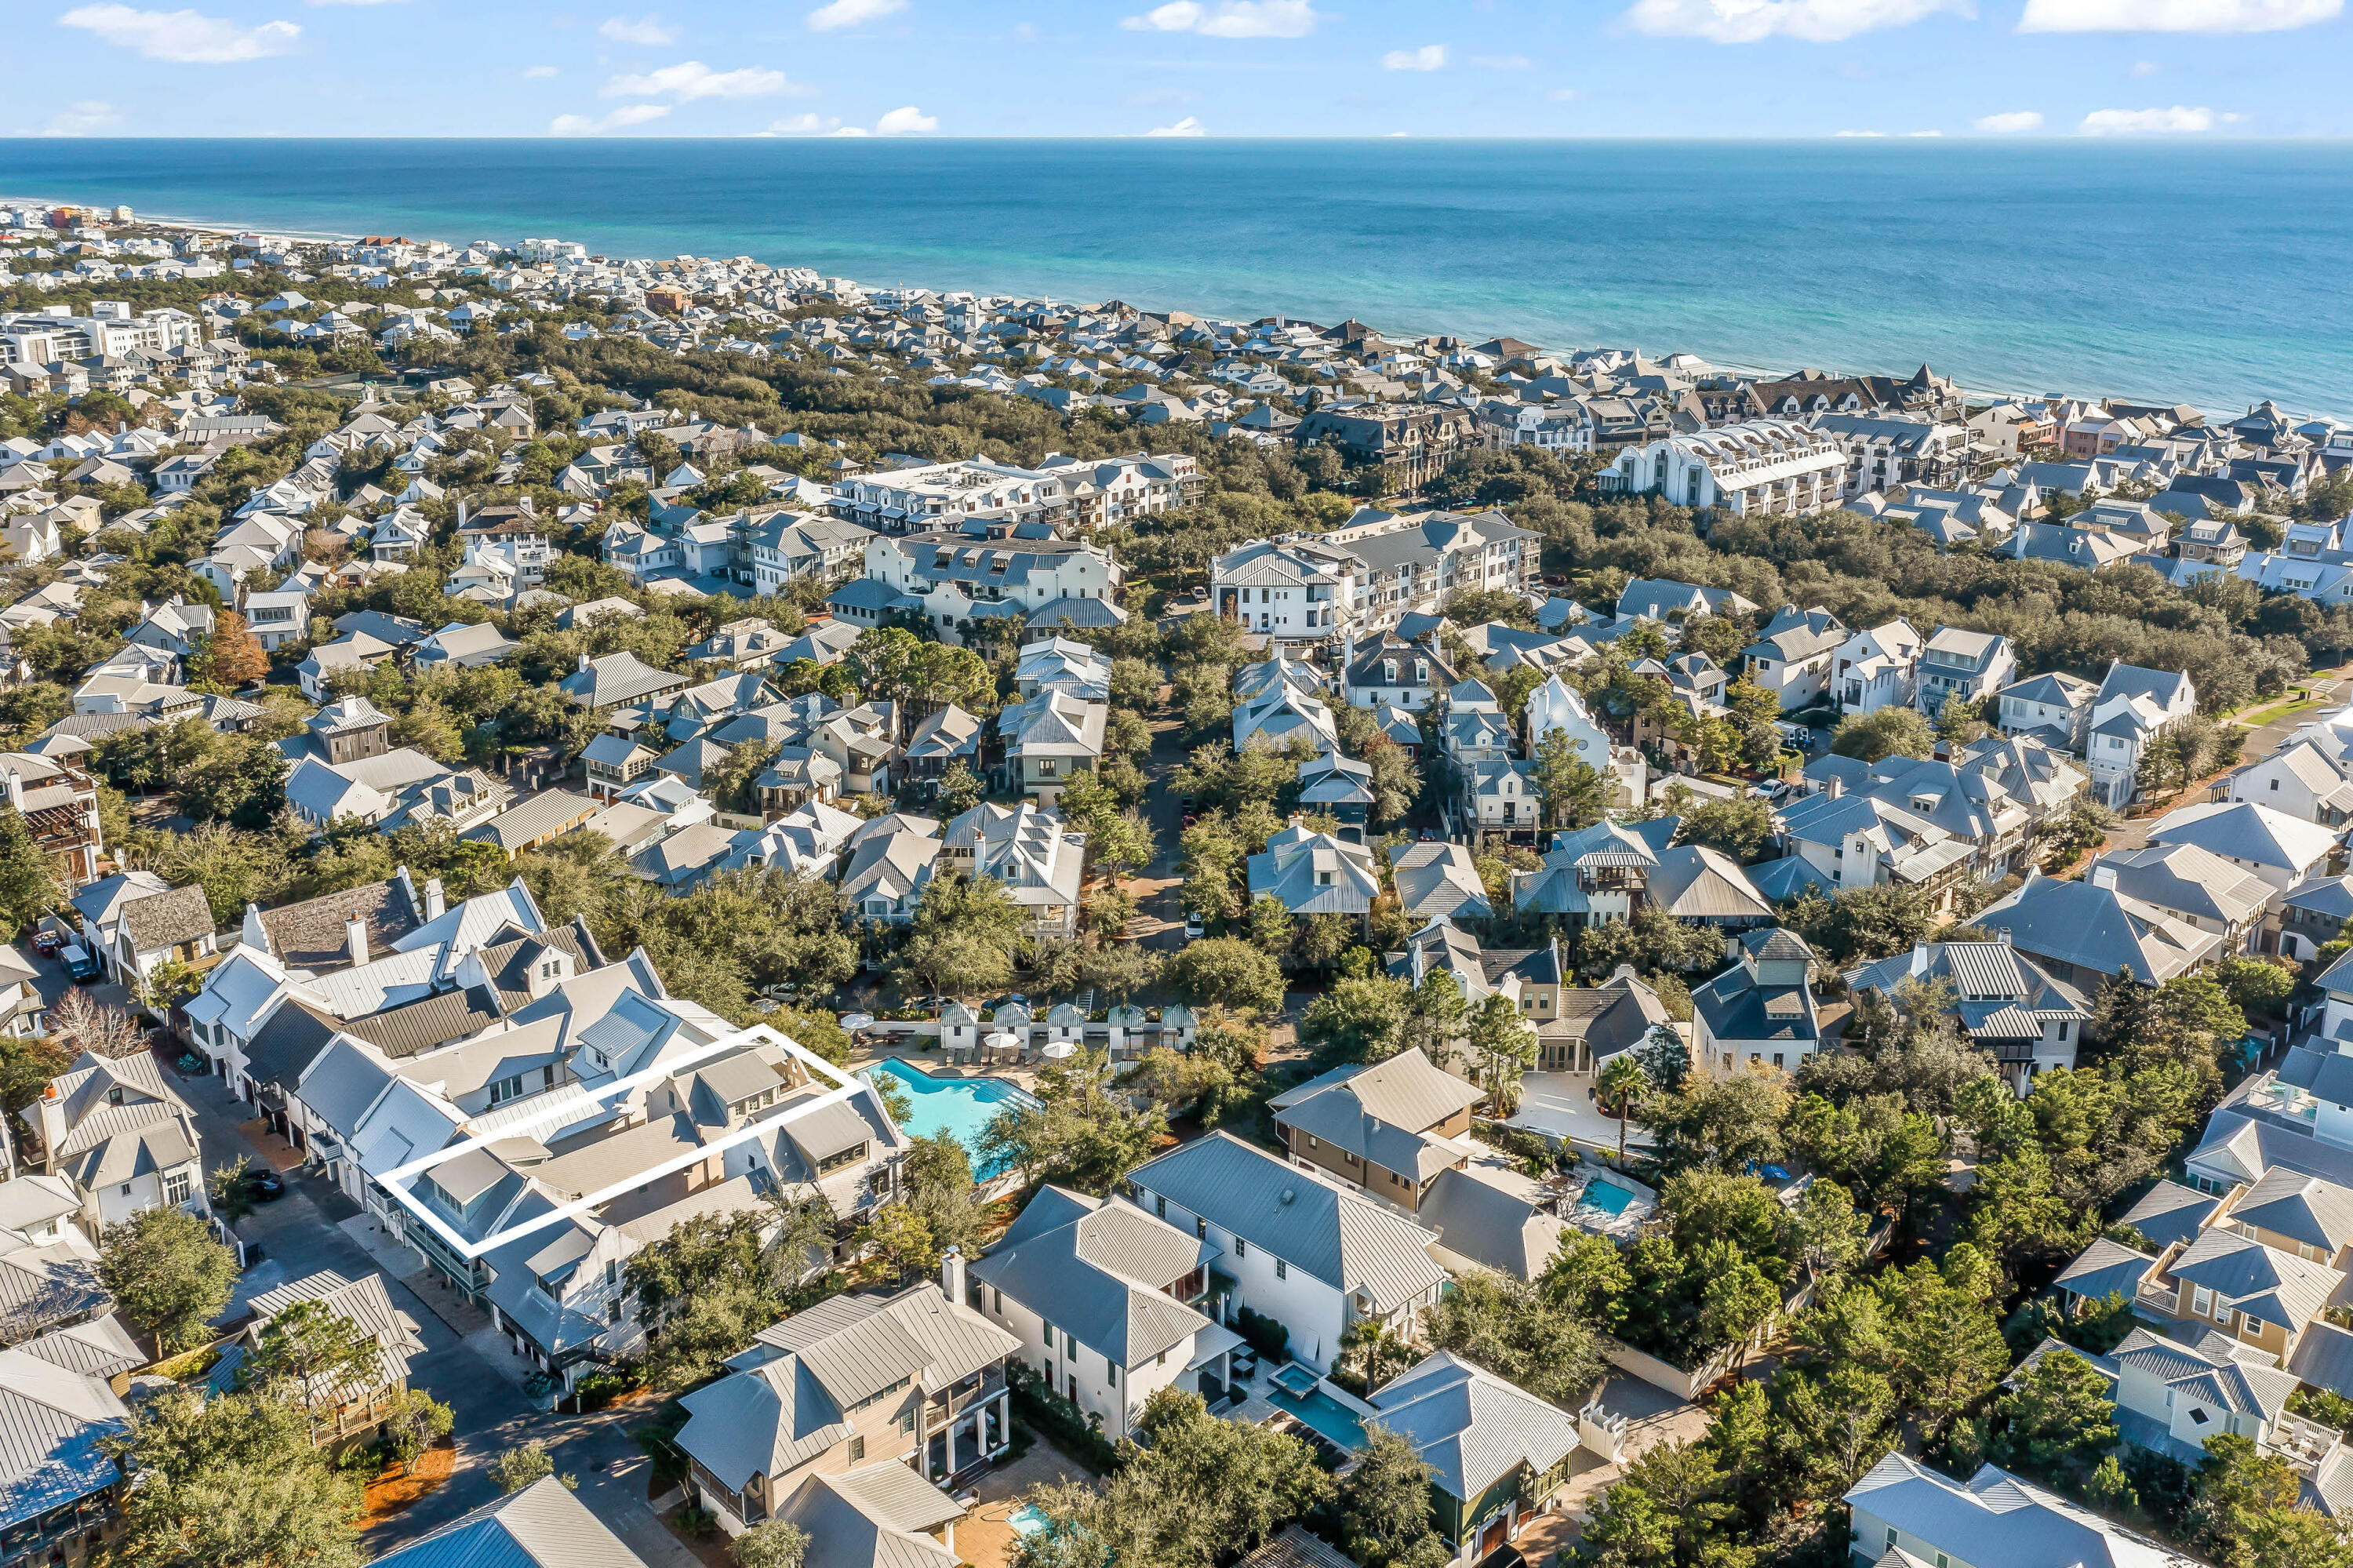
(805, 125)
(1230, 18)
(539, 73)
(853, 130)
(1430, 57)
(2007, 124)
(2145, 68)
(85, 118)
(2174, 16)
(651, 32)
(906, 121)
(628, 114)
(186, 36)
(1188, 126)
(692, 79)
(1814, 21)
(1564, 95)
(1501, 62)
(851, 13)
(2177, 119)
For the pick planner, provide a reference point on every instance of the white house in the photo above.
(1994, 1519)
(1971, 665)
(1793, 656)
(2299, 780)
(1760, 465)
(1873, 669)
(2133, 708)
(1307, 1252)
(1100, 1294)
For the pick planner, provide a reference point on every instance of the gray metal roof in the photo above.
(1471, 1427)
(1099, 1271)
(542, 1526)
(1347, 1241)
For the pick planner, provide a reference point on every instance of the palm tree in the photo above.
(1622, 1082)
(1376, 1345)
(803, 1229)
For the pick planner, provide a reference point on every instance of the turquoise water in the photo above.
(1606, 1197)
(2211, 274)
(1325, 1414)
(958, 1105)
(1028, 1520)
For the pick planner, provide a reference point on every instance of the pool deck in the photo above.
(986, 1537)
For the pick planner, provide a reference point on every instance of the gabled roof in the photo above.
(1347, 1241)
(542, 1526)
(1470, 1427)
(1996, 1518)
(2245, 831)
(1099, 1270)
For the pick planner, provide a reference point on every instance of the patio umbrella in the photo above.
(854, 1021)
(1058, 1050)
(998, 1040)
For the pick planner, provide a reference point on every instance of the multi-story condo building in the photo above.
(1361, 580)
(957, 578)
(1887, 450)
(1759, 466)
(1410, 442)
(943, 494)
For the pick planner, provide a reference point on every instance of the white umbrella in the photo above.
(999, 1040)
(1058, 1050)
(854, 1021)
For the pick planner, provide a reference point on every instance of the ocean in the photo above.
(2208, 273)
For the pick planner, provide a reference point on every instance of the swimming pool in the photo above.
(1606, 1197)
(958, 1105)
(1028, 1520)
(1327, 1415)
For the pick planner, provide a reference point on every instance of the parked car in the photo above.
(48, 944)
(1193, 924)
(80, 962)
(264, 1186)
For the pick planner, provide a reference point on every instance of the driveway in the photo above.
(1160, 923)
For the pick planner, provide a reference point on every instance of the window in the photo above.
(1070, 1344)
(1200, 1229)
(1111, 1373)
(856, 1449)
(2201, 1301)
(507, 1089)
(2253, 1326)
(176, 1187)
(1282, 1269)
(613, 1311)
(1159, 1206)
(1241, 1247)
(996, 1297)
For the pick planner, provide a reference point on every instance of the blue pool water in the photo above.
(1606, 1197)
(1325, 1414)
(1027, 1520)
(958, 1105)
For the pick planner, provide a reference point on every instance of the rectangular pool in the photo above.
(961, 1106)
(1606, 1197)
(1324, 1413)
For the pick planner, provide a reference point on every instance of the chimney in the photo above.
(2001, 935)
(461, 512)
(2105, 876)
(1919, 958)
(355, 938)
(433, 899)
(16, 791)
(952, 1275)
(584, 661)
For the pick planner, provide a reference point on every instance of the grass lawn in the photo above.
(2300, 702)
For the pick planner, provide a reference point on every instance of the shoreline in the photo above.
(1742, 368)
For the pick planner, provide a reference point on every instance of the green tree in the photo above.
(1385, 1506)
(1947, 1342)
(1223, 972)
(1892, 731)
(2257, 987)
(1502, 1046)
(1359, 1019)
(897, 1235)
(166, 1273)
(778, 1543)
(231, 1482)
(1078, 1130)
(527, 1462)
(1434, 1015)
(309, 1354)
(1520, 1332)
(1573, 793)
(2238, 1492)
(938, 1175)
(1269, 927)
(959, 791)
(414, 1421)
(1621, 1085)
(28, 883)
(2057, 1417)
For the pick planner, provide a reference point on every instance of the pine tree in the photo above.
(234, 654)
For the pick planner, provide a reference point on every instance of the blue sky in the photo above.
(1218, 67)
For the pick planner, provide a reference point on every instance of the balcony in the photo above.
(943, 1408)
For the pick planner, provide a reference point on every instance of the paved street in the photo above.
(313, 1228)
